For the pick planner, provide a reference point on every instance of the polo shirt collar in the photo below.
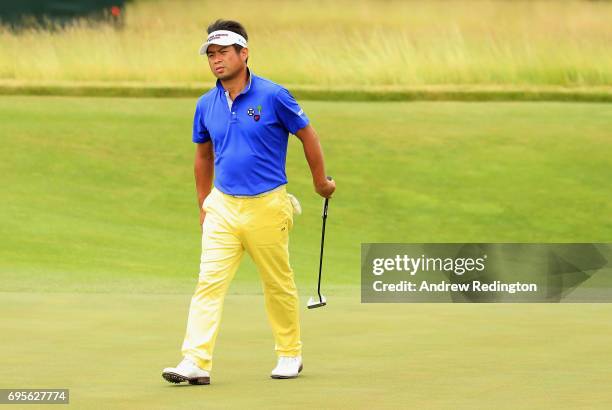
(245, 90)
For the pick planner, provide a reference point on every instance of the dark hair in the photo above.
(229, 25)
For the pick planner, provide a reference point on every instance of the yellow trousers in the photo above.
(260, 225)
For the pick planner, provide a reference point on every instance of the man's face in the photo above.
(225, 62)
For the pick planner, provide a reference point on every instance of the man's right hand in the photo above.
(202, 216)
(203, 169)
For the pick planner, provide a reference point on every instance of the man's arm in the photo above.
(314, 155)
(203, 169)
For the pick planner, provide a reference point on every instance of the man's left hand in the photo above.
(326, 188)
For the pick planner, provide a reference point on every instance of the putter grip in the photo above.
(329, 178)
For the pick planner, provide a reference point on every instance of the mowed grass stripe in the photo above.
(318, 93)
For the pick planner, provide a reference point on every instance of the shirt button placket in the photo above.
(233, 109)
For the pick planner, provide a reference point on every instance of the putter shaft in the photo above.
(322, 243)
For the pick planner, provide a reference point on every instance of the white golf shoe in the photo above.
(186, 371)
(287, 367)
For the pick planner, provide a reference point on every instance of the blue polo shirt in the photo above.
(250, 139)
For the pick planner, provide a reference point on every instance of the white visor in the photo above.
(223, 38)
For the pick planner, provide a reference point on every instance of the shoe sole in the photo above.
(287, 377)
(177, 378)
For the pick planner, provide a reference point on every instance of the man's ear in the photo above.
(244, 53)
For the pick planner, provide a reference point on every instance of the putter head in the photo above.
(314, 302)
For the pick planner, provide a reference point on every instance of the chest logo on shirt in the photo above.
(251, 113)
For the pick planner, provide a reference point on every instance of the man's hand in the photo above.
(202, 216)
(314, 155)
(203, 169)
(326, 188)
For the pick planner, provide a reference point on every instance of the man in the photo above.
(241, 128)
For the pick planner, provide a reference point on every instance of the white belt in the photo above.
(278, 188)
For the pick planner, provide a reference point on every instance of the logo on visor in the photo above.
(216, 36)
(251, 113)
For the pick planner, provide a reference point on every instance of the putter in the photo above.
(314, 302)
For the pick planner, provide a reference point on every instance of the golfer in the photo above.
(241, 129)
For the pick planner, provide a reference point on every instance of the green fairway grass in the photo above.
(100, 249)
(109, 350)
(98, 194)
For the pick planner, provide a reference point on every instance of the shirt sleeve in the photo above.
(200, 133)
(289, 112)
